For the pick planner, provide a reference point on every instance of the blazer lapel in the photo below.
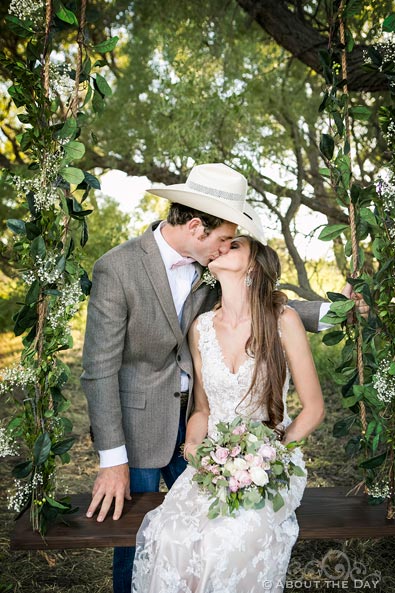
(156, 271)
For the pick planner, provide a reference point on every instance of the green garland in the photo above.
(367, 370)
(51, 98)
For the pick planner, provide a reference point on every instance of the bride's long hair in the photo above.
(264, 343)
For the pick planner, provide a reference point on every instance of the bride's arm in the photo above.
(197, 423)
(304, 376)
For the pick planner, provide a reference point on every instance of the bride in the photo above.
(243, 353)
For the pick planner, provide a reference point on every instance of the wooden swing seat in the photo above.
(325, 513)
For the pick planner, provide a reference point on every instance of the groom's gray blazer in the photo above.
(135, 350)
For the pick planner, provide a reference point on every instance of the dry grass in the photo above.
(89, 571)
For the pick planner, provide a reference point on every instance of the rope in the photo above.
(354, 239)
(46, 55)
(80, 41)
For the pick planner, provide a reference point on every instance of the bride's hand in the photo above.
(189, 450)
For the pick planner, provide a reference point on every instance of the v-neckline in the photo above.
(221, 354)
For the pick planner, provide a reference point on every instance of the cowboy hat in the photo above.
(218, 190)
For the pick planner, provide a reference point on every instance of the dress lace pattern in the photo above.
(180, 550)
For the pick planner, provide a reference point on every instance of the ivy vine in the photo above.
(54, 102)
(367, 370)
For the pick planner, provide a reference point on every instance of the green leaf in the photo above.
(360, 112)
(64, 14)
(277, 502)
(74, 150)
(349, 402)
(72, 175)
(389, 23)
(41, 449)
(91, 180)
(373, 461)
(342, 427)
(22, 470)
(68, 129)
(298, 471)
(106, 46)
(63, 446)
(332, 231)
(332, 338)
(33, 293)
(103, 86)
(341, 308)
(336, 296)
(368, 216)
(327, 146)
(58, 505)
(37, 248)
(24, 319)
(17, 226)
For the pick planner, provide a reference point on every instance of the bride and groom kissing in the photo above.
(167, 357)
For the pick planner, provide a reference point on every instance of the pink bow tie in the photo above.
(182, 262)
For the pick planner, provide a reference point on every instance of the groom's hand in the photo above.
(111, 482)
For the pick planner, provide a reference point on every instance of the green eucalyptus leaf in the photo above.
(373, 462)
(332, 231)
(332, 338)
(64, 14)
(41, 449)
(342, 427)
(69, 128)
(63, 446)
(16, 226)
(389, 23)
(72, 175)
(37, 248)
(22, 470)
(360, 112)
(327, 146)
(103, 86)
(74, 150)
(341, 308)
(277, 502)
(106, 46)
(33, 293)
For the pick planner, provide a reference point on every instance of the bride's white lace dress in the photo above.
(180, 550)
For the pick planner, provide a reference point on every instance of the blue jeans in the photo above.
(146, 480)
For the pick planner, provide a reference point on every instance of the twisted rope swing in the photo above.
(351, 208)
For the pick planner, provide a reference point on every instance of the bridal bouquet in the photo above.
(245, 466)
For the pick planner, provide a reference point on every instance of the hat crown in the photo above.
(220, 181)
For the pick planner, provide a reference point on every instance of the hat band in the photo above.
(218, 193)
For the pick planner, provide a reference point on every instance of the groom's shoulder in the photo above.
(128, 250)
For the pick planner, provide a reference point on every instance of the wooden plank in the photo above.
(325, 513)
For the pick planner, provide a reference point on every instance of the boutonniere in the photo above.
(208, 278)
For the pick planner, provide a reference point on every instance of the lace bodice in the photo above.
(224, 389)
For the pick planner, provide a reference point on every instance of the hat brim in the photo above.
(180, 193)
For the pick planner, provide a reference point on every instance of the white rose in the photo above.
(251, 438)
(259, 476)
(240, 464)
(230, 467)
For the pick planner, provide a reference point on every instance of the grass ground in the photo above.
(352, 565)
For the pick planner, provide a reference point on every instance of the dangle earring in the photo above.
(248, 279)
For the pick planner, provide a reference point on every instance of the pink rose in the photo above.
(220, 455)
(235, 451)
(239, 429)
(268, 452)
(233, 484)
(249, 458)
(214, 469)
(257, 461)
(243, 477)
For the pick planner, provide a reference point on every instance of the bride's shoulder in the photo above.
(289, 320)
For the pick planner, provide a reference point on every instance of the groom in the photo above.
(137, 367)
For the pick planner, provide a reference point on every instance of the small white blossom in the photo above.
(60, 82)
(22, 492)
(65, 305)
(384, 383)
(209, 279)
(381, 490)
(17, 376)
(43, 186)
(7, 443)
(386, 190)
(32, 10)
